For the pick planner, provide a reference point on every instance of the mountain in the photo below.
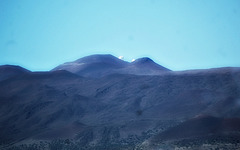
(101, 65)
(72, 109)
(8, 71)
(143, 66)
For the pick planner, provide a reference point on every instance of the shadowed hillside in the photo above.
(117, 109)
(8, 71)
(200, 127)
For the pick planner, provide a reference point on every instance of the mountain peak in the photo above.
(8, 71)
(143, 60)
(98, 58)
(149, 64)
(100, 65)
(13, 67)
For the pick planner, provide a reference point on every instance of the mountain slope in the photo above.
(119, 109)
(202, 132)
(93, 66)
(143, 66)
(8, 71)
(202, 126)
(42, 106)
(101, 65)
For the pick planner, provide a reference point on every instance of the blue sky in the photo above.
(178, 34)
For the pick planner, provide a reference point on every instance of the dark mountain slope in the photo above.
(202, 126)
(102, 100)
(31, 105)
(8, 71)
(43, 105)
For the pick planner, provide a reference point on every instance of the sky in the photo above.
(177, 34)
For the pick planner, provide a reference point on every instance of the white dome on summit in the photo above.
(121, 57)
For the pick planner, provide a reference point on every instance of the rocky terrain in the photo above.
(102, 102)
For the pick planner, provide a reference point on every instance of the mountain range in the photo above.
(102, 102)
(96, 66)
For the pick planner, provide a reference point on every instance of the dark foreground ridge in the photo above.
(102, 102)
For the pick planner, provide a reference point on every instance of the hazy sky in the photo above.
(178, 34)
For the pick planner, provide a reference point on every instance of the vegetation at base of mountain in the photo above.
(134, 142)
(67, 144)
